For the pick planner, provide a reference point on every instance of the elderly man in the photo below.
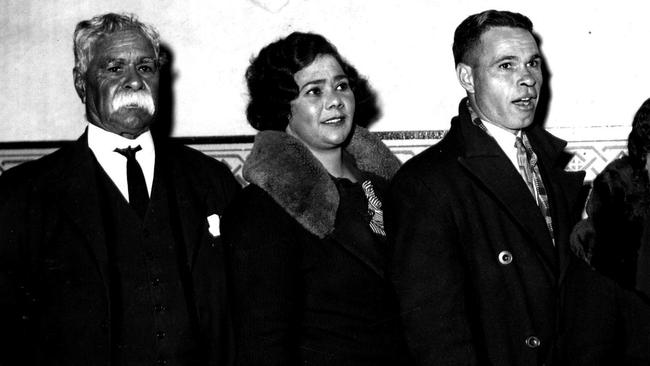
(481, 223)
(106, 251)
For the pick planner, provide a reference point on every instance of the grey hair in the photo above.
(87, 32)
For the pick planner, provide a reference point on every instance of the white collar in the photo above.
(103, 144)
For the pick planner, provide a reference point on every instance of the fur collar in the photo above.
(284, 168)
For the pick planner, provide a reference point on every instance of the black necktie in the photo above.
(138, 194)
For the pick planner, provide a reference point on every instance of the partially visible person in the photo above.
(481, 222)
(106, 257)
(615, 238)
(307, 247)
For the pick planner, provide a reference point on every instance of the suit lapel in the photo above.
(187, 209)
(79, 198)
(485, 160)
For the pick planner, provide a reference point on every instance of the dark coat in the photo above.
(477, 275)
(308, 276)
(54, 298)
(615, 238)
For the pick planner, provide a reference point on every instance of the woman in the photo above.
(307, 248)
(615, 239)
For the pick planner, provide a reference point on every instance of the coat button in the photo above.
(533, 342)
(159, 308)
(505, 257)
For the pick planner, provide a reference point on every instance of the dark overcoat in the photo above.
(308, 276)
(478, 277)
(54, 290)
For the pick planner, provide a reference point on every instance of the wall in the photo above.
(403, 46)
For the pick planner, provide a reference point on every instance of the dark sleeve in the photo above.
(427, 271)
(15, 300)
(263, 267)
(635, 312)
(616, 211)
(582, 240)
(222, 185)
(609, 324)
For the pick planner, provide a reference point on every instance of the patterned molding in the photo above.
(593, 156)
(11, 156)
(589, 155)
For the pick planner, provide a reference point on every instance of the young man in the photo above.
(481, 223)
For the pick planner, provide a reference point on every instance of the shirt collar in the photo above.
(503, 136)
(101, 141)
(103, 144)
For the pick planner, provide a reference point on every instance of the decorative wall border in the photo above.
(588, 155)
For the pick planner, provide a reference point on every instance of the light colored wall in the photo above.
(596, 51)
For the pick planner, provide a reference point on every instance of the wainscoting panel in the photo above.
(590, 156)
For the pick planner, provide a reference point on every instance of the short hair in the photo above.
(638, 142)
(271, 83)
(87, 32)
(468, 34)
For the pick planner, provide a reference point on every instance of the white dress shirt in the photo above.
(103, 145)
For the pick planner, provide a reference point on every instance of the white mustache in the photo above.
(142, 99)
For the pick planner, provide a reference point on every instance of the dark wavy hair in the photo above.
(638, 142)
(271, 85)
(468, 33)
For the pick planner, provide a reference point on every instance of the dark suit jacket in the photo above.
(475, 268)
(54, 300)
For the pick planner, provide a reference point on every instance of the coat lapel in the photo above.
(284, 168)
(79, 198)
(485, 160)
(563, 188)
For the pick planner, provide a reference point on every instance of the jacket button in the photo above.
(505, 257)
(533, 342)
(104, 326)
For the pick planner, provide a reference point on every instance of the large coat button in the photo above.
(533, 342)
(505, 257)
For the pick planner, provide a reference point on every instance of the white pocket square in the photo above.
(213, 225)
